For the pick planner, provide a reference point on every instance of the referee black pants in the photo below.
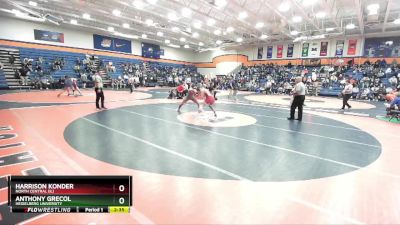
(99, 97)
(346, 98)
(298, 102)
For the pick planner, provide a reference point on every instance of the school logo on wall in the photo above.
(43, 35)
(106, 43)
(112, 44)
(382, 47)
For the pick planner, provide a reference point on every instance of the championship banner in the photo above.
(314, 49)
(339, 48)
(351, 50)
(304, 52)
(260, 53)
(269, 52)
(290, 50)
(43, 35)
(324, 49)
(280, 51)
(111, 44)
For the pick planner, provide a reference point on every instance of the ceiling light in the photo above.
(172, 16)
(330, 29)
(350, 26)
(86, 16)
(189, 30)
(264, 36)
(230, 29)
(125, 25)
(138, 4)
(372, 12)
(111, 29)
(224, 33)
(167, 41)
(294, 32)
(186, 12)
(396, 21)
(239, 39)
(297, 19)
(174, 46)
(218, 42)
(243, 15)
(116, 12)
(220, 3)
(284, 7)
(373, 7)
(144, 36)
(309, 2)
(149, 22)
(182, 39)
(197, 25)
(210, 22)
(153, 2)
(320, 15)
(15, 11)
(32, 3)
(176, 29)
(195, 34)
(186, 46)
(217, 32)
(75, 22)
(259, 25)
(201, 44)
(160, 34)
(126, 35)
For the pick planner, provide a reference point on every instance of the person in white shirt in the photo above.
(98, 88)
(299, 94)
(131, 82)
(347, 93)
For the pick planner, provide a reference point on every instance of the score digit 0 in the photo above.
(121, 188)
(121, 200)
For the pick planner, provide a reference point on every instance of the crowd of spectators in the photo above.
(370, 81)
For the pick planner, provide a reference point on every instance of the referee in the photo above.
(347, 93)
(98, 88)
(299, 93)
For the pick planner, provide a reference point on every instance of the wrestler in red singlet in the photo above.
(208, 99)
(190, 96)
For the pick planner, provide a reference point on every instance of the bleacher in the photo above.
(49, 57)
(3, 81)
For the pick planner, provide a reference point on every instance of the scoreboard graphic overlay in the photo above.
(70, 194)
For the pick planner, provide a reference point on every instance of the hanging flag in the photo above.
(269, 52)
(314, 49)
(290, 50)
(339, 48)
(260, 53)
(351, 50)
(304, 52)
(324, 49)
(279, 51)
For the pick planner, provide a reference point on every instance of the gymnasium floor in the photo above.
(247, 166)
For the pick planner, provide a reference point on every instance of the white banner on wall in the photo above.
(314, 49)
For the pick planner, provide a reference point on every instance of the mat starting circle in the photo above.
(223, 119)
